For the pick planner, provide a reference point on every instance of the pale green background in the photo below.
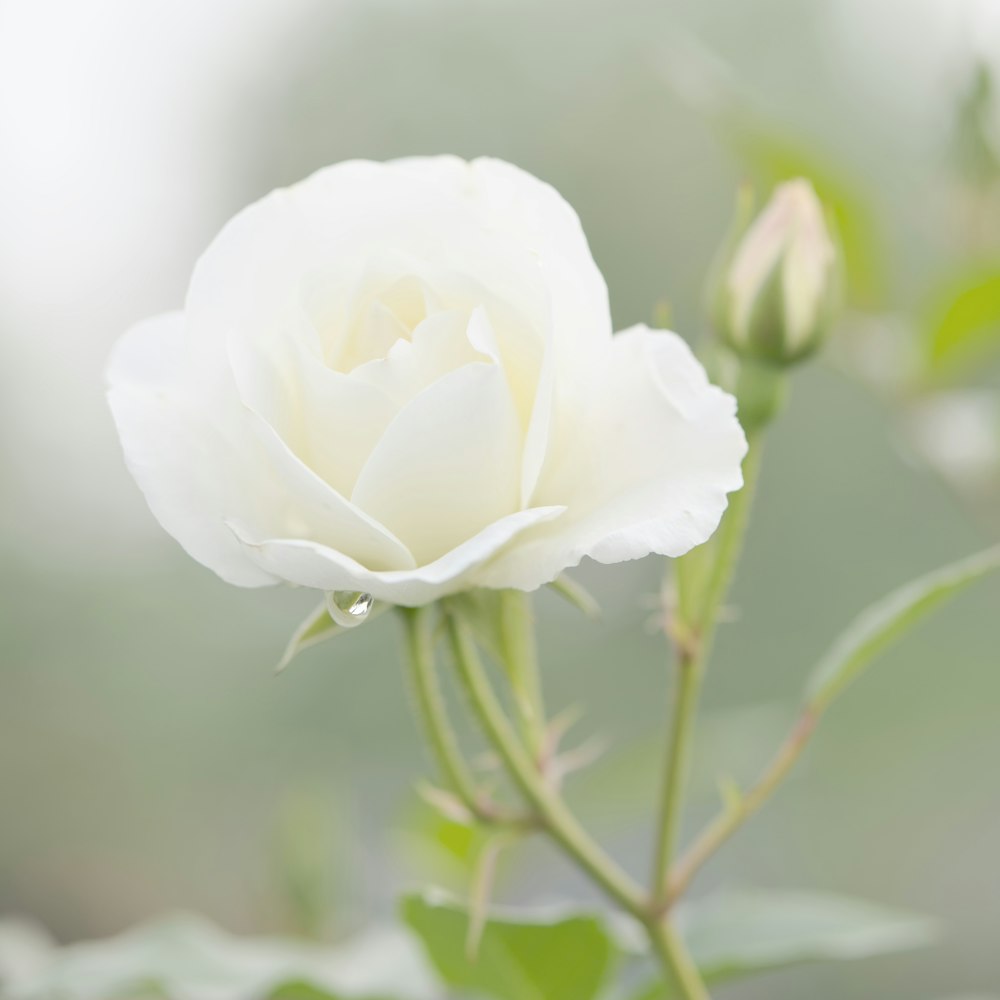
(146, 751)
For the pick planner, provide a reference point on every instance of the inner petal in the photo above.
(440, 344)
(448, 464)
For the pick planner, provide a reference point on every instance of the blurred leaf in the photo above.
(308, 833)
(774, 157)
(884, 621)
(567, 957)
(186, 958)
(300, 991)
(965, 326)
(430, 844)
(305, 991)
(317, 628)
(974, 142)
(734, 934)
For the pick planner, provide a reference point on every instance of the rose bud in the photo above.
(777, 286)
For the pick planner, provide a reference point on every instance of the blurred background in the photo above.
(149, 760)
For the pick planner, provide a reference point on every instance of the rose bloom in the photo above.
(400, 378)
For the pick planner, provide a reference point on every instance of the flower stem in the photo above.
(562, 826)
(440, 734)
(520, 653)
(690, 673)
(675, 957)
(556, 818)
(702, 587)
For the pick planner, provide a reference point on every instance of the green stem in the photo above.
(702, 587)
(520, 653)
(442, 738)
(690, 673)
(562, 825)
(556, 818)
(444, 743)
(675, 956)
(732, 818)
(727, 546)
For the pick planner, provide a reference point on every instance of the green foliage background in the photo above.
(150, 761)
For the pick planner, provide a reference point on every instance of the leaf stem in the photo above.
(736, 814)
(870, 632)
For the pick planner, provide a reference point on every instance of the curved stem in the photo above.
(562, 825)
(557, 820)
(517, 635)
(443, 741)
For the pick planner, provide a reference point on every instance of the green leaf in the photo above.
(964, 325)
(317, 628)
(880, 624)
(734, 934)
(183, 957)
(565, 957)
(974, 145)
(306, 991)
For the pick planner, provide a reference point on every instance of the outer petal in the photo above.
(173, 453)
(429, 217)
(311, 565)
(642, 458)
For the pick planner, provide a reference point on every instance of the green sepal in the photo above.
(318, 627)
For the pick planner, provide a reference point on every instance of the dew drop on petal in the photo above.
(349, 607)
(361, 605)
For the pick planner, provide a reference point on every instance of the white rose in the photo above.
(400, 378)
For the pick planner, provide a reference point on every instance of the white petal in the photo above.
(313, 509)
(509, 231)
(644, 468)
(533, 211)
(448, 464)
(440, 344)
(311, 565)
(329, 420)
(175, 455)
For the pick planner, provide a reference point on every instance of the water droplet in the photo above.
(349, 608)
(361, 605)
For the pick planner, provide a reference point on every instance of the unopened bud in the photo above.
(777, 288)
